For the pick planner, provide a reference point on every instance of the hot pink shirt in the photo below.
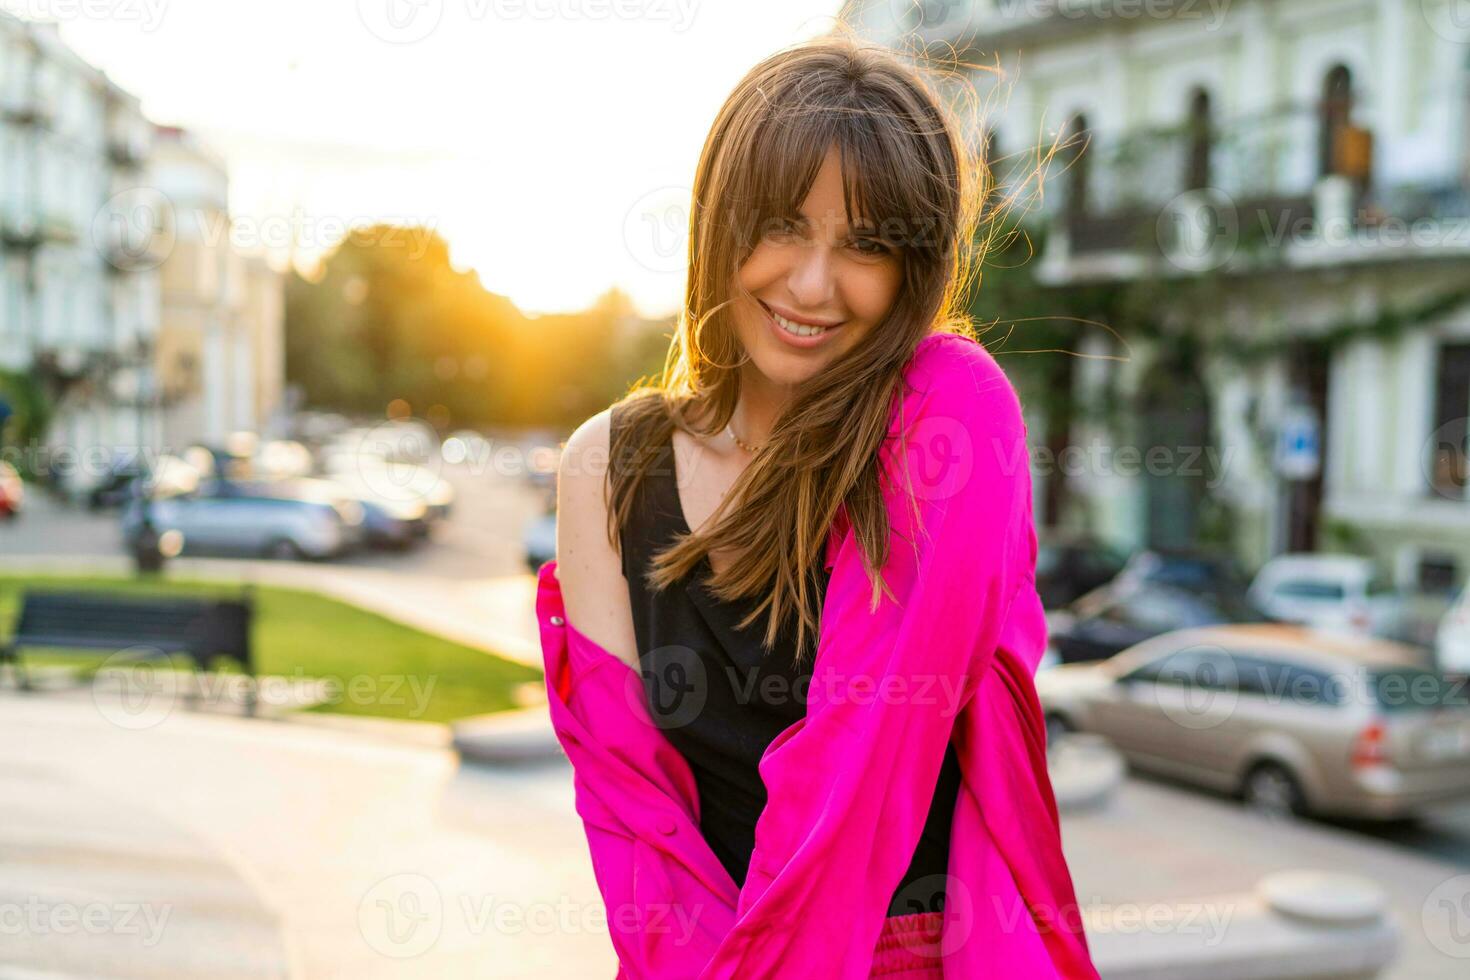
(952, 654)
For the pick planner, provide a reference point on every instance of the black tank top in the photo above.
(720, 699)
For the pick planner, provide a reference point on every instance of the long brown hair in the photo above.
(906, 166)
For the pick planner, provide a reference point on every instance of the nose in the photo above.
(811, 282)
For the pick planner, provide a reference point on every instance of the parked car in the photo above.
(390, 521)
(389, 480)
(1347, 593)
(1127, 611)
(1452, 640)
(1068, 567)
(1291, 719)
(237, 518)
(114, 486)
(1193, 571)
(12, 491)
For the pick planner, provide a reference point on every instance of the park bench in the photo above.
(136, 627)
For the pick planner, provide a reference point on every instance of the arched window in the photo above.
(1200, 138)
(1074, 152)
(992, 152)
(1334, 116)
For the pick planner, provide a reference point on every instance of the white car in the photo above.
(1452, 641)
(1339, 593)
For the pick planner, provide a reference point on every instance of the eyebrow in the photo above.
(862, 226)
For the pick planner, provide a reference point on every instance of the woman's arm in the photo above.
(668, 898)
(588, 567)
(850, 785)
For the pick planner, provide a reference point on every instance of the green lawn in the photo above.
(379, 667)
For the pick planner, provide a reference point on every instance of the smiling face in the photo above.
(817, 284)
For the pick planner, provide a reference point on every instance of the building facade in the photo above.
(1288, 185)
(73, 316)
(123, 297)
(221, 354)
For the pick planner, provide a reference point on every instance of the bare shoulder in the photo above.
(587, 564)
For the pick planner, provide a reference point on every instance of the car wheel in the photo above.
(1272, 791)
(284, 549)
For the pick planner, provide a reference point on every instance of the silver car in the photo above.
(278, 527)
(1291, 719)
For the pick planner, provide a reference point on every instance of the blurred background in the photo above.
(299, 301)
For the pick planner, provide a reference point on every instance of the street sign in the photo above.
(1299, 445)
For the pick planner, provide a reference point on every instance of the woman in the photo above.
(792, 625)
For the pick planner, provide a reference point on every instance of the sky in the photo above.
(551, 142)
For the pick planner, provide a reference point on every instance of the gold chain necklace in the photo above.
(739, 442)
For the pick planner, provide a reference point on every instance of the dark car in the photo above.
(1194, 571)
(1070, 567)
(116, 486)
(1128, 611)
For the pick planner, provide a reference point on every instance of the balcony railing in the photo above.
(1258, 183)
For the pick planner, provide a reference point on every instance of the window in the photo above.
(1201, 139)
(1202, 668)
(1283, 681)
(1408, 689)
(1334, 111)
(1156, 611)
(1311, 590)
(1447, 444)
(1074, 153)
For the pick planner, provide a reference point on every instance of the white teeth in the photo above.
(800, 329)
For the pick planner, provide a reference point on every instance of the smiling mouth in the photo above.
(794, 328)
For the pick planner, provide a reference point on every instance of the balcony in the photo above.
(28, 107)
(1161, 203)
(128, 140)
(968, 27)
(24, 231)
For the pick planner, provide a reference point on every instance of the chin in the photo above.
(784, 367)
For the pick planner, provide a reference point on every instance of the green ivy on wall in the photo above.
(31, 413)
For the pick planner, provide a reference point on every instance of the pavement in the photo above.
(272, 849)
(297, 850)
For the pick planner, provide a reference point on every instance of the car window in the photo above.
(1410, 689)
(1381, 585)
(1153, 610)
(1099, 563)
(1201, 667)
(1285, 682)
(1311, 589)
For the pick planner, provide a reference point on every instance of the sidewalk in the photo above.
(96, 885)
(289, 850)
(334, 855)
(1156, 844)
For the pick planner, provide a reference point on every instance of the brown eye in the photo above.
(871, 247)
(777, 227)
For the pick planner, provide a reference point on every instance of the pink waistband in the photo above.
(908, 947)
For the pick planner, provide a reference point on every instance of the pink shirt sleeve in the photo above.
(849, 786)
(668, 899)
